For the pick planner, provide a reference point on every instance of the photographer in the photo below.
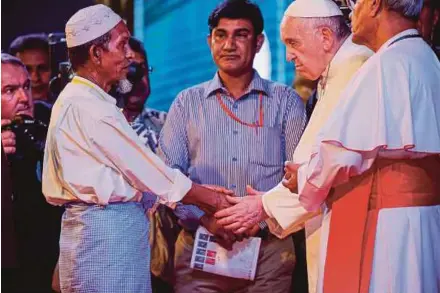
(37, 223)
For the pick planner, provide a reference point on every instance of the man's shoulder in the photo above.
(80, 100)
(195, 90)
(280, 90)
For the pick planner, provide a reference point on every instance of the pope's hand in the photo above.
(290, 180)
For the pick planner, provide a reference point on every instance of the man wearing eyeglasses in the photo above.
(145, 121)
(234, 130)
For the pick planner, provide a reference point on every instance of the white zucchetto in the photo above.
(313, 8)
(90, 23)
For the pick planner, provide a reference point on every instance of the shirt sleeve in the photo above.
(174, 150)
(285, 207)
(141, 168)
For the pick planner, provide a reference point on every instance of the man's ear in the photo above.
(328, 39)
(260, 42)
(436, 18)
(375, 7)
(95, 54)
(208, 40)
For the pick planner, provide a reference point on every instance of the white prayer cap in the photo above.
(90, 23)
(313, 8)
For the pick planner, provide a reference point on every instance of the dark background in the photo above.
(34, 16)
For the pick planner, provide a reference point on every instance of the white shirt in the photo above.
(92, 154)
(391, 108)
(280, 203)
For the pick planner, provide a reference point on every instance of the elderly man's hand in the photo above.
(244, 215)
(8, 139)
(290, 179)
(209, 199)
(225, 238)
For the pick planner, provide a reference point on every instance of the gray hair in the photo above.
(409, 8)
(9, 59)
(336, 23)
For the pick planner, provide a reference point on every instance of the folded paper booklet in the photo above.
(240, 262)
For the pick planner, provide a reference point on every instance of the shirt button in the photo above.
(235, 132)
(235, 106)
(234, 159)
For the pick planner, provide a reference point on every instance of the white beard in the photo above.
(124, 86)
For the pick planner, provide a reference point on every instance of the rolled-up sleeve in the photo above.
(140, 167)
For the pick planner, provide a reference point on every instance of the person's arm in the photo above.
(145, 171)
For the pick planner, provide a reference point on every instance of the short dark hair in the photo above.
(138, 47)
(29, 42)
(236, 9)
(79, 55)
(9, 59)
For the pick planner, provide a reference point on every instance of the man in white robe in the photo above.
(333, 59)
(375, 165)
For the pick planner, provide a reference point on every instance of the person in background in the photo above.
(428, 23)
(33, 51)
(145, 121)
(37, 224)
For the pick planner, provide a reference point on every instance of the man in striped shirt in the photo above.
(234, 130)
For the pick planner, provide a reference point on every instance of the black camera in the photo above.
(59, 62)
(30, 135)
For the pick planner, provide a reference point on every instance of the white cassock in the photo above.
(390, 109)
(280, 200)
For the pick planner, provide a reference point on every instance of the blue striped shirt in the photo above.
(207, 145)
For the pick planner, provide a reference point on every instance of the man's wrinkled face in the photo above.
(303, 47)
(233, 45)
(361, 23)
(117, 57)
(38, 65)
(16, 92)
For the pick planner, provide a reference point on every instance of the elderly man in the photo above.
(234, 130)
(375, 163)
(97, 167)
(329, 56)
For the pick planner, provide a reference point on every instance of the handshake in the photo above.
(233, 218)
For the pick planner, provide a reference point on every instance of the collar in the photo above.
(407, 32)
(94, 89)
(338, 58)
(257, 84)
